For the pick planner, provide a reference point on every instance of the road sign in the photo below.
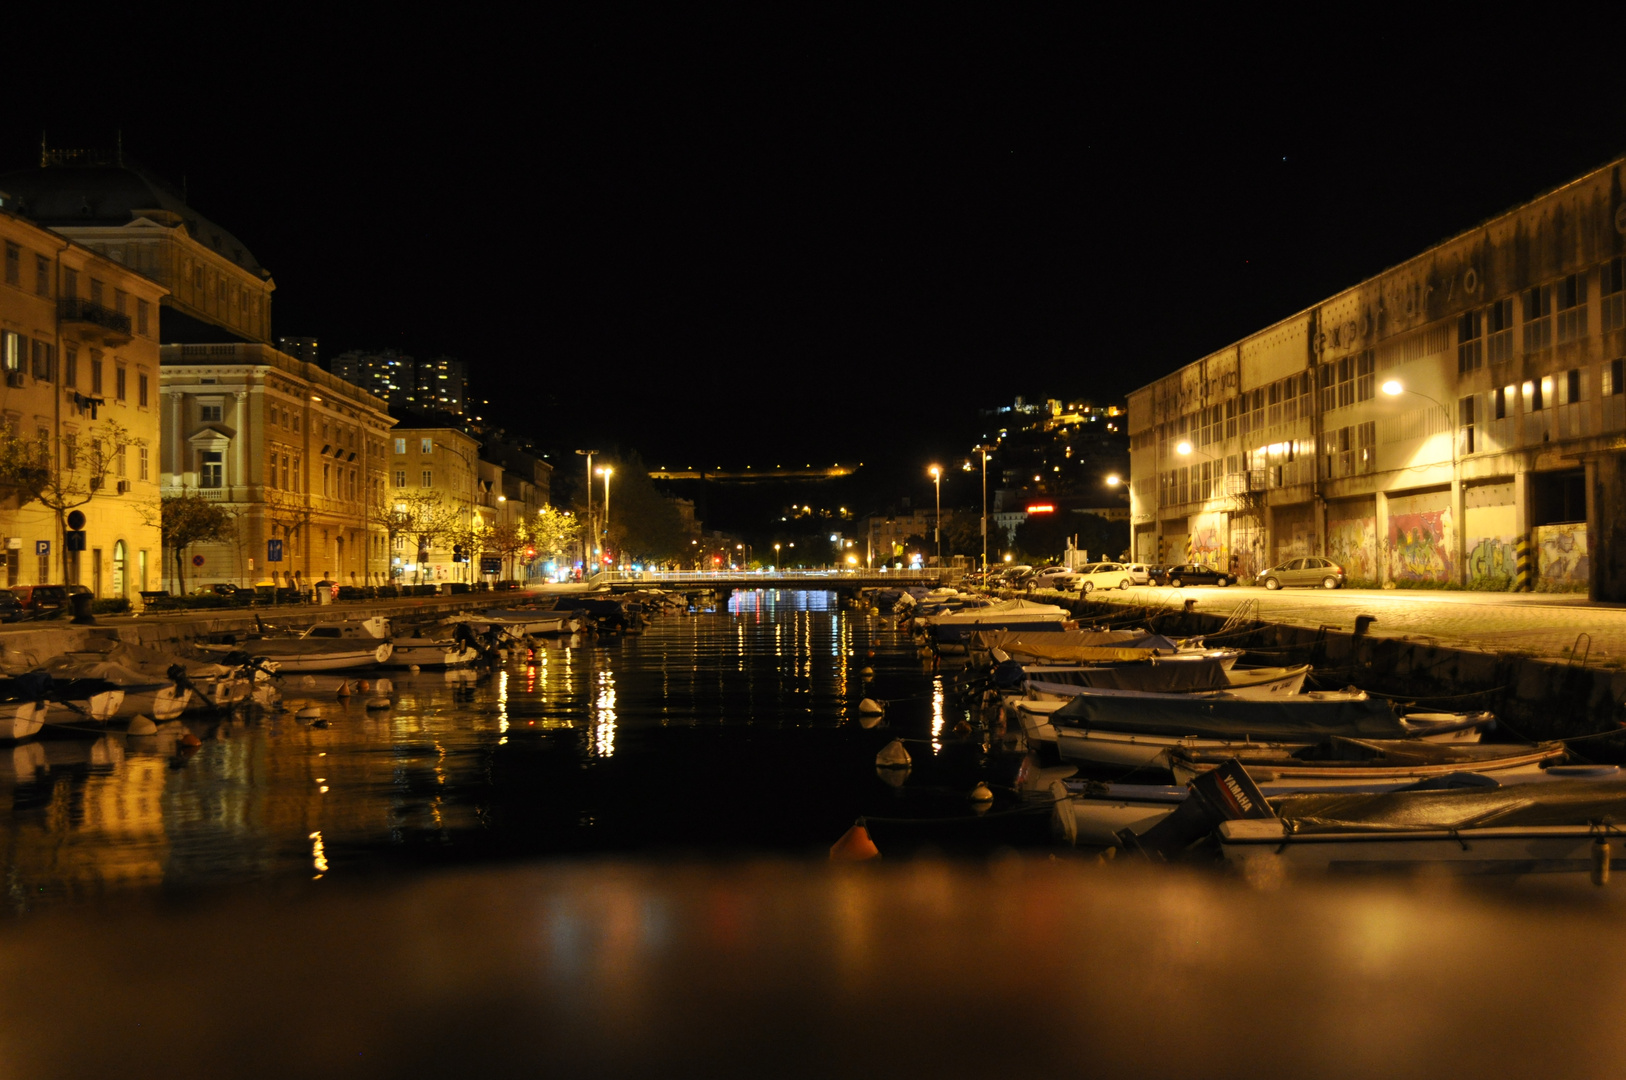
(42, 547)
(76, 519)
(197, 560)
(74, 540)
(273, 551)
(490, 564)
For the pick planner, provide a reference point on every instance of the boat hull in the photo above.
(1260, 852)
(20, 720)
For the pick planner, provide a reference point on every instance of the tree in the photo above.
(286, 510)
(1045, 536)
(188, 519)
(962, 533)
(553, 532)
(643, 524)
(419, 517)
(24, 467)
(83, 473)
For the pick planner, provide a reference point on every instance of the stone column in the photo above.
(1380, 531)
(239, 487)
(177, 428)
(1606, 526)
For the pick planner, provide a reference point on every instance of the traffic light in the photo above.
(530, 553)
(457, 553)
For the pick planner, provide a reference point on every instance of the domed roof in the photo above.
(63, 196)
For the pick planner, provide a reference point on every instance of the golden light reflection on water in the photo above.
(318, 853)
(603, 740)
(937, 714)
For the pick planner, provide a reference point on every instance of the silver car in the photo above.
(1311, 570)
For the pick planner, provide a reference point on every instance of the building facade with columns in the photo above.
(79, 399)
(1458, 420)
(297, 454)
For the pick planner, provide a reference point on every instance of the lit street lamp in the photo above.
(1394, 388)
(587, 549)
(776, 564)
(983, 450)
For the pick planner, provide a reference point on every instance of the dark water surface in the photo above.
(733, 731)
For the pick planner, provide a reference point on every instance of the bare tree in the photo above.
(188, 519)
(420, 517)
(81, 474)
(287, 511)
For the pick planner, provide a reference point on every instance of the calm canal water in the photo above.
(728, 732)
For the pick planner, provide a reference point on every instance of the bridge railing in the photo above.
(768, 577)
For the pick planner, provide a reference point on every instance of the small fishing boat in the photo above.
(310, 654)
(1131, 728)
(1095, 812)
(1564, 827)
(144, 695)
(427, 652)
(1172, 675)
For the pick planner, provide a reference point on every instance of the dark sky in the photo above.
(831, 238)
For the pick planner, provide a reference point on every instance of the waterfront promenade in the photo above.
(1538, 624)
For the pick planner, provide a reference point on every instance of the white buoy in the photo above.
(867, 672)
(383, 686)
(981, 794)
(306, 682)
(893, 756)
(378, 703)
(871, 707)
(309, 712)
(413, 669)
(143, 725)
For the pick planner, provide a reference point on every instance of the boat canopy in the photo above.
(1076, 646)
(1299, 719)
(1184, 677)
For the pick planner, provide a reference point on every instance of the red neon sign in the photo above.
(1042, 508)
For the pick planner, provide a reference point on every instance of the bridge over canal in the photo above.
(626, 580)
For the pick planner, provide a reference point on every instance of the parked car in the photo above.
(1015, 577)
(1059, 578)
(1311, 571)
(11, 608)
(1141, 573)
(41, 597)
(1103, 575)
(225, 588)
(1194, 574)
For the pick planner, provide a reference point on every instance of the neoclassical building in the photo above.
(298, 455)
(79, 358)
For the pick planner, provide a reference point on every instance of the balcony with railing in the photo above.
(112, 326)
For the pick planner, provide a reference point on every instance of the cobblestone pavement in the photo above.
(1542, 624)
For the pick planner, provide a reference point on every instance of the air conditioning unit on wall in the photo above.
(14, 378)
(124, 487)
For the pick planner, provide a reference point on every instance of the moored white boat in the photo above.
(430, 653)
(20, 720)
(309, 654)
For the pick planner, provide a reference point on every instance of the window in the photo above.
(96, 292)
(285, 472)
(42, 445)
(211, 468)
(70, 368)
(1366, 442)
(14, 264)
(44, 360)
(95, 372)
(120, 300)
(120, 461)
(1465, 421)
(120, 382)
(1617, 375)
(1538, 318)
(70, 284)
(42, 275)
(298, 473)
(141, 389)
(1612, 305)
(1365, 382)
(142, 308)
(11, 350)
(1571, 308)
(210, 413)
(1499, 332)
(146, 473)
(70, 450)
(271, 471)
(429, 480)
(1572, 386)
(1470, 349)
(327, 479)
(1533, 395)
(1230, 419)
(400, 474)
(426, 446)
(400, 446)
(1500, 399)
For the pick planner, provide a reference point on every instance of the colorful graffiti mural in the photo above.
(1562, 564)
(1420, 547)
(1492, 562)
(1353, 543)
(1206, 542)
(1247, 547)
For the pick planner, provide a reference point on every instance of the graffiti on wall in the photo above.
(1561, 558)
(1247, 547)
(1352, 544)
(1492, 563)
(1420, 547)
(1206, 542)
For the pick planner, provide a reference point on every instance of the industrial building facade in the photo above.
(1423, 428)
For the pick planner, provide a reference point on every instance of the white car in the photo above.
(1139, 573)
(1104, 575)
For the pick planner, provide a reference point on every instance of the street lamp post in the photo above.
(937, 522)
(983, 450)
(776, 563)
(588, 545)
(606, 470)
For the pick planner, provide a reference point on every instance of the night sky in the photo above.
(785, 241)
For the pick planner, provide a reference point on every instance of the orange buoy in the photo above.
(190, 739)
(854, 845)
